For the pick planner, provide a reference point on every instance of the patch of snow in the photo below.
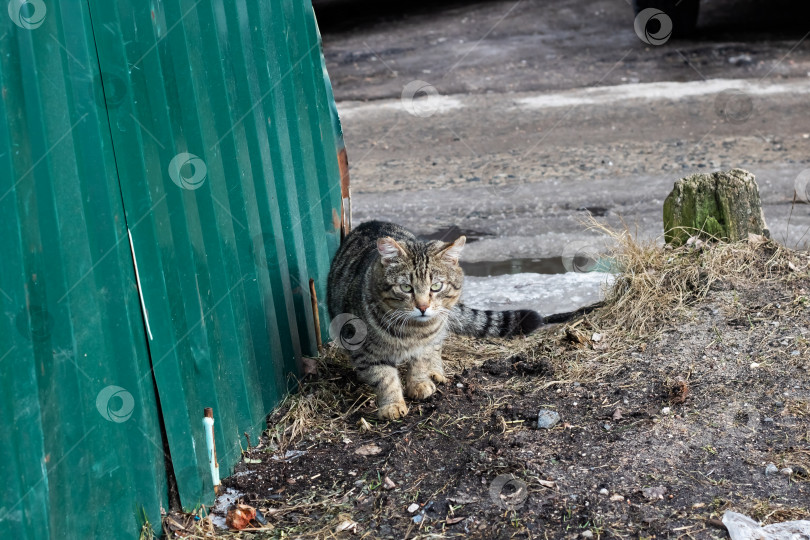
(545, 293)
(438, 105)
(219, 511)
(604, 95)
(599, 95)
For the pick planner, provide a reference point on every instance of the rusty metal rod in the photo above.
(314, 297)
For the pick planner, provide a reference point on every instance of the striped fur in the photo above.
(480, 323)
(404, 294)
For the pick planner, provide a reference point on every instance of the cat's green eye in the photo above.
(436, 287)
(406, 288)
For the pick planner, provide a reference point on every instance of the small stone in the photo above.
(368, 450)
(616, 498)
(771, 469)
(459, 385)
(665, 411)
(767, 420)
(587, 534)
(654, 493)
(794, 353)
(413, 508)
(547, 419)
(787, 471)
(603, 491)
(597, 337)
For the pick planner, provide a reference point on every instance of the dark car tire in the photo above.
(684, 13)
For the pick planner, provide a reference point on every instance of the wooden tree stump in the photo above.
(723, 205)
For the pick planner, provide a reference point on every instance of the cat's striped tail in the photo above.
(467, 321)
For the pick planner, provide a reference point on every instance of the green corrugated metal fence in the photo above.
(169, 182)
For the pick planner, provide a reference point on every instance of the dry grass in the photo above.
(320, 408)
(657, 284)
(655, 287)
(769, 512)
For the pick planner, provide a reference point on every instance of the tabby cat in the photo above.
(405, 293)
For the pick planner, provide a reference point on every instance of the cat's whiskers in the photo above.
(396, 316)
(390, 317)
(404, 322)
(401, 315)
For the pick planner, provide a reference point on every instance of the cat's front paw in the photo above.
(420, 389)
(393, 411)
(438, 377)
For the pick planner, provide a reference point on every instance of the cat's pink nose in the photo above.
(422, 307)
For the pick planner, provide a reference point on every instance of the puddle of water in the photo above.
(583, 262)
(449, 234)
(596, 211)
(549, 265)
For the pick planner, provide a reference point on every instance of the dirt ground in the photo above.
(669, 417)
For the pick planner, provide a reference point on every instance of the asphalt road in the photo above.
(528, 112)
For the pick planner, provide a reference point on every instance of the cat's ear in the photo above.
(452, 252)
(389, 249)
